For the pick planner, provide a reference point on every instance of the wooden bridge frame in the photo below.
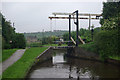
(77, 23)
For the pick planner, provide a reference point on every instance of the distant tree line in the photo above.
(41, 35)
(11, 39)
(49, 40)
(43, 41)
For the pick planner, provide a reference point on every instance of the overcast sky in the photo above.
(33, 16)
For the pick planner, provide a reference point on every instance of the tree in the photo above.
(110, 10)
(19, 41)
(11, 39)
(107, 39)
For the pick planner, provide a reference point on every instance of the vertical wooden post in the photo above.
(77, 28)
(69, 27)
(89, 21)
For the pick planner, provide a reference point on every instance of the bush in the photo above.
(90, 47)
(107, 42)
(20, 41)
(49, 40)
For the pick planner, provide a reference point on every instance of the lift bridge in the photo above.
(75, 16)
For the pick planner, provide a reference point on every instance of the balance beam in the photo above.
(73, 40)
(81, 40)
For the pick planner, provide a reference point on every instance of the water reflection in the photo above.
(62, 67)
(94, 69)
(58, 58)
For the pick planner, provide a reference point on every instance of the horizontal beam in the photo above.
(81, 14)
(62, 41)
(71, 18)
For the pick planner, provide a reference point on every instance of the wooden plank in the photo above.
(81, 14)
(73, 40)
(72, 18)
(81, 40)
(62, 41)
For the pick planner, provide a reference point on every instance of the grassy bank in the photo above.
(22, 66)
(7, 53)
(92, 47)
(115, 57)
(89, 47)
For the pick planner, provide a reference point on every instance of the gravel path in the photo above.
(12, 59)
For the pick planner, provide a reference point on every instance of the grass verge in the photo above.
(7, 53)
(89, 47)
(93, 48)
(21, 67)
(114, 57)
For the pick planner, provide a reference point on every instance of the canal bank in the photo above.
(61, 67)
(55, 57)
(20, 68)
(78, 52)
(75, 52)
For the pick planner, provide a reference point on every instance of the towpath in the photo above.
(12, 59)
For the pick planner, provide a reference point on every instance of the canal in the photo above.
(61, 67)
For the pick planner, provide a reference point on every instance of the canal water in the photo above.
(61, 67)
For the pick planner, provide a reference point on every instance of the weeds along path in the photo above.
(12, 59)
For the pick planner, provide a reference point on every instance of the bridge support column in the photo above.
(89, 21)
(77, 28)
(69, 27)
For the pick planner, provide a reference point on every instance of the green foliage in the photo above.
(90, 47)
(41, 35)
(18, 41)
(66, 36)
(109, 24)
(84, 33)
(11, 39)
(110, 10)
(49, 40)
(108, 39)
(115, 57)
(107, 42)
(7, 53)
(19, 69)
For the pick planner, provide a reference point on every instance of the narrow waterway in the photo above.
(63, 67)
